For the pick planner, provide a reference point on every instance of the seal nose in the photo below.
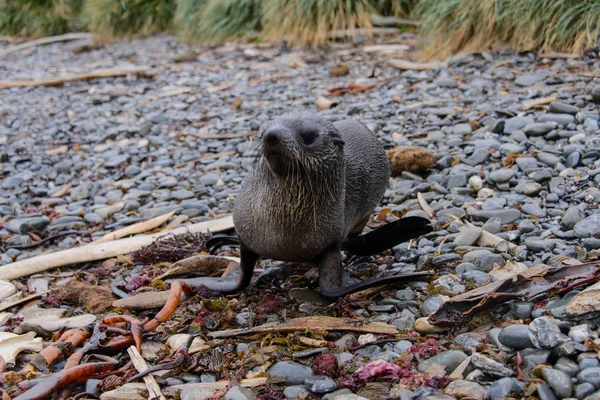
(272, 137)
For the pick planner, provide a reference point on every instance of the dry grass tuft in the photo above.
(111, 19)
(303, 22)
(216, 21)
(38, 18)
(411, 159)
(395, 8)
(451, 26)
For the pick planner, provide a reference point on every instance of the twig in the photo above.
(538, 102)
(9, 304)
(62, 190)
(343, 33)
(414, 66)
(205, 156)
(140, 227)
(321, 323)
(100, 73)
(101, 251)
(140, 364)
(47, 40)
(249, 383)
(425, 103)
(425, 206)
(225, 135)
(386, 22)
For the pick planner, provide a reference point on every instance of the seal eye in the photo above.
(308, 137)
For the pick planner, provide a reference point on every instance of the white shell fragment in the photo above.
(12, 344)
(51, 319)
(177, 341)
(7, 289)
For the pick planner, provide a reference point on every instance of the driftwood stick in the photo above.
(538, 102)
(425, 206)
(47, 40)
(225, 135)
(101, 251)
(5, 305)
(140, 227)
(319, 323)
(140, 364)
(248, 383)
(99, 73)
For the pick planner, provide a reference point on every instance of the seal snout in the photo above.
(272, 138)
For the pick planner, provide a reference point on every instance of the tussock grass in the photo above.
(216, 21)
(126, 18)
(38, 18)
(450, 26)
(395, 8)
(309, 21)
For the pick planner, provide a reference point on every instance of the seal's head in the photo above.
(300, 141)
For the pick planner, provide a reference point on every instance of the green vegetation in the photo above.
(39, 17)
(309, 21)
(123, 18)
(447, 26)
(216, 21)
(395, 8)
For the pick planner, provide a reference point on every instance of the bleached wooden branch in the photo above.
(101, 251)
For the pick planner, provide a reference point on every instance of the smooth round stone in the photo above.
(405, 294)
(239, 393)
(529, 189)
(462, 129)
(590, 375)
(567, 365)
(402, 346)
(469, 339)
(296, 392)
(545, 393)
(295, 373)
(478, 277)
(534, 357)
(483, 259)
(559, 381)
(583, 389)
(521, 309)
(502, 388)
(460, 389)
(515, 336)
(588, 360)
(589, 227)
(572, 217)
(533, 209)
(449, 359)
(368, 351)
(502, 175)
(320, 384)
(431, 304)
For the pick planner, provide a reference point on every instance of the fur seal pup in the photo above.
(311, 192)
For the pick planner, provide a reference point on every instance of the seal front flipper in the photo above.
(387, 236)
(228, 285)
(334, 282)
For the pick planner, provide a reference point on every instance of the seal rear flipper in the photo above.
(212, 245)
(334, 282)
(227, 284)
(387, 236)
